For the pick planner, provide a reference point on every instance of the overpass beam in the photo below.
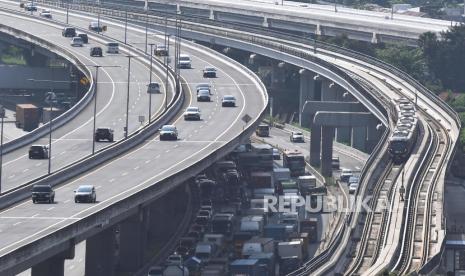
(315, 145)
(53, 266)
(327, 136)
(100, 253)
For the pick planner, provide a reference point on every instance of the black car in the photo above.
(85, 38)
(38, 152)
(30, 7)
(43, 193)
(104, 133)
(68, 32)
(85, 193)
(96, 51)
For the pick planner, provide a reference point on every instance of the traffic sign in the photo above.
(246, 118)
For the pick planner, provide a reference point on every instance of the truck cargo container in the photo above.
(241, 267)
(217, 239)
(290, 249)
(258, 158)
(252, 224)
(280, 174)
(266, 260)
(277, 232)
(305, 238)
(261, 180)
(306, 184)
(223, 224)
(205, 251)
(310, 226)
(289, 264)
(295, 161)
(257, 245)
(27, 116)
(261, 193)
(289, 187)
(292, 219)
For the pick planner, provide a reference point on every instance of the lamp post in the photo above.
(167, 58)
(150, 81)
(50, 98)
(67, 11)
(126, 27)
(2, 114)
(126, 129)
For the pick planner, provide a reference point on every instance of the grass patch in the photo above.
(13, 60)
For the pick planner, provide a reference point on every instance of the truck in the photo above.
(310, 226)
(291, 249)
(266, 262)
(205, 251)
(288, 187)
(252, 224)
(257, 245)
(295, 161)
(280, 174)
(263, 130)
(241, 267)
(27, 116)
(239, 238)
(304, 237)
(258, 158)
(223, 224)
(261, 180)
(306, 184)
(278, 232)
(176, 270)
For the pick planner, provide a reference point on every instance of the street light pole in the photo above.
(95, 108)
(98, 18)
(2, 114)
(126, 130)
(67, 11)
(166, 63)
(126, 27)
(150, 81)
(146, 29)
(50, 135)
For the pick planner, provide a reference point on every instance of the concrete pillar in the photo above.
(359, 136)
(101, 253)
(54, 265)
(318, 29)
(306, 93)
(315, 145)
(178, 9)
(374, 38)
(343, 135)
(328, 91)
(132, 241)
(265, 22)
(212, 15)
(327, 136)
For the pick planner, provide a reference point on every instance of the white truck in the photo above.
(252, 224)
(290, 249)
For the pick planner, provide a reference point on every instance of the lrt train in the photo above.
(405, 133)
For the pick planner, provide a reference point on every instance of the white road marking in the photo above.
(124, 173)
(68, 200)
(136, 167)
(147, 161)
(18, 223)
(51, 208)
(33, 216)
(11, 176)
(25, 170)
(111, 180)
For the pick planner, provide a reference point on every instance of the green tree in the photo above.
(409, 60)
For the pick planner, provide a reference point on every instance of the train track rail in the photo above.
(417, 238)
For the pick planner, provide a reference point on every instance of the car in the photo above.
(207, 202)
(174, 259)
(85, 193)
(205, 213)
(85, 38)
(168, 132)
(353, 188)
(194, 234)
(335, 163)
(183, 251)
(96, 52)
(161, 51)
(208, 208)
(184, 61)
(209, 72)
(112, 47)
(104, 133)
(43, 193)
(96, 27)
(155, 271)
(203, 96)
(77, 42)
(276, 154)
(68, 32)
(153, 87)
(30, 7)
(228, 100)
(201, 229)
(46, 14)
(192, 113)
(38, 152)
(203, 86)
(297, 136)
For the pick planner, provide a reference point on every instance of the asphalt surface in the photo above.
(74, 140)
(151, 162)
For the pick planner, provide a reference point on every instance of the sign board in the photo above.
(141, 118)
(246, 118)
(84, 81)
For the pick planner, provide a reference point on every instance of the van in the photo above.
(68, 32)
(184, 61)
(205, 251)
(112, 48)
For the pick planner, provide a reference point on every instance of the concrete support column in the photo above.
(101, 253)
(212, 15)
(178, 9)
(343, 135)
(328, 91)
(359, 136)
(132, 242)
(327, 136)
(305, 93)
(265, 22)
(54, 265)
(315, 145)
(374, 38)
(318, 30)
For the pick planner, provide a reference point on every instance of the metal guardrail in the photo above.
(66, 116)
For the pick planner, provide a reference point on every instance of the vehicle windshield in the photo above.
(204, 92)
(102, 130)
(229, 98)
(184, 58)
(84, 189)
(168, 128)
(112, 44)
(154, 85)
(209, 69)
(397, 146)
(41, 189)
(192, 109)
(36, 147)
(298, 133)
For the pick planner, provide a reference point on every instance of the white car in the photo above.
(297, 136)
(353, 188)
(77, 41)
(228, 100)
(174, 259)
(192, 113)
(46, 14)
(184, 61)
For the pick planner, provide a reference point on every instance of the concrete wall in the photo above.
(16, 77)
